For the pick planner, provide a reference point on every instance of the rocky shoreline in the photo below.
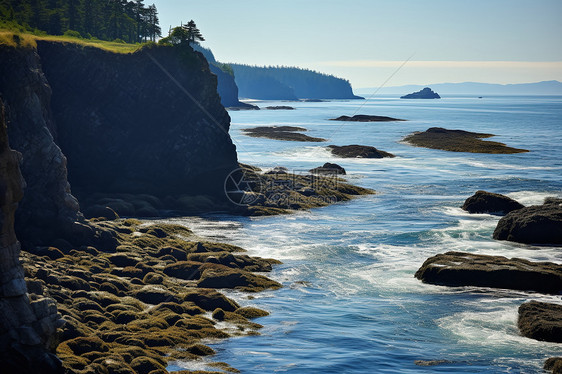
(540, 224)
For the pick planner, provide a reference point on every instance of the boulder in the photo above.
(358, 151)
(466, 269)
(492, 203)
(538, 224)
(541, 321)
(553, 364)
(328, 168)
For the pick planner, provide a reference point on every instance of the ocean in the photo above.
(350, 302)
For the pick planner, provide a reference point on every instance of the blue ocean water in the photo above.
(350, 302)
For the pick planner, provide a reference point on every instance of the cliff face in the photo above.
(48, 207)
(27, 326)
(149, 122)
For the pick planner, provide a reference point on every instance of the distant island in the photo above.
(426, 93)
(289, 83)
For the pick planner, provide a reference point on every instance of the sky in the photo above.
(374, 42)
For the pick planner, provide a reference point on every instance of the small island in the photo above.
(366, 118)
(426, 93)
(358, 151)
(287, 133)
(458, 141)
(280, 107)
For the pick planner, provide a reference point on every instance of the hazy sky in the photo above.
(366, 41)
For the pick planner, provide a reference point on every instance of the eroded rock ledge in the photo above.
(466, 269)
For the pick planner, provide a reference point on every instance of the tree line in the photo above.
(129, 21)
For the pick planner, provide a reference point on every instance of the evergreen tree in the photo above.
(193, 33)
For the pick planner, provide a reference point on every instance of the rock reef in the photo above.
(541, 321)
(366, 118)
(287, 133)
(458, 141)
(358, 151)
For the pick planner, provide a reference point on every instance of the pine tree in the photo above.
(193, 33)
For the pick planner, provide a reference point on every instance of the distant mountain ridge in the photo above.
(552, 87)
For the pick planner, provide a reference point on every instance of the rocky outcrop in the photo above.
(148, 122)
(27, 322)
(466, 269)
(458, 141)
(358, 151)
(228, 90)
(541, 321)
(366, 118)
(492, 203)
(426, 93)
(288, 133)
(538, 224)
(329, 169)
(554, 365)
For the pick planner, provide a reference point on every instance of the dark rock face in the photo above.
(358, 151)
(148, 122)
(426, 93)
(280, 107)
(48, 205)
(27, 327)
(538, 224)
(493, 203)
(465, 269)
(328, 168)
(366, 118)
(541, 321)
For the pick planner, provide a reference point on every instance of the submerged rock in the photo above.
(466, 269)
(289, 133)
(358, 151)
(541, 321)
(458, 141)
(366, 118)
(492, 203)
(426, 93)
(538, 224)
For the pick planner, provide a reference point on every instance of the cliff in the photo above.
(48, 209)
(288, 83)
(227, 88)
(27, 322)
(150, 122)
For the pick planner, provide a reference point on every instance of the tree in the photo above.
(193, 33)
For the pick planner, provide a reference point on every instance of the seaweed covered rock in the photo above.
(553, 364)
(329, 169)
(537, 224)
(541, 321)
(492, 203)
(358, 151)
(466, 269)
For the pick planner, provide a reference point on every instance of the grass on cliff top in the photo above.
(26, 40)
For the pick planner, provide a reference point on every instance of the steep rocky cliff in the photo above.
(48, 209)
(149, 122)
(27, 322)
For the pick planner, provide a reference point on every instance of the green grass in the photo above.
(16, 38)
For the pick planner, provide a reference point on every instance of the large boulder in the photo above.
(541, 321)
(466, 269)
(358, 151)
(538, 224)
(492, 203)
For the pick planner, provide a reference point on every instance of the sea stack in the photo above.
(426, 93)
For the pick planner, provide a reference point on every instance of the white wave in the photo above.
(532, 197)
(501, 166)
